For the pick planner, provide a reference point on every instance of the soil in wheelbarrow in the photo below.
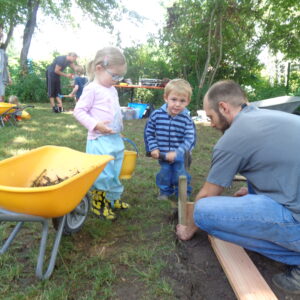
(45, 179)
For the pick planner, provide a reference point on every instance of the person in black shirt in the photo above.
(53, 73)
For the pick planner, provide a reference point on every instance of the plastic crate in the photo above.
(140, 107)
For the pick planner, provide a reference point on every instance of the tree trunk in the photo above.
(33, 6)
(9, 34)
(204, 73)
(202, 80)
(220, 52)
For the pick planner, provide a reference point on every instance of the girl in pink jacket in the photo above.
(99, 111)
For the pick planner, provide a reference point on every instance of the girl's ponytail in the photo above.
(91, 70)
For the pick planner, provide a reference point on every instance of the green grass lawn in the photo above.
(105, 260)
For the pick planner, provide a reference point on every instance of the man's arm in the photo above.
(58, 71)
(208, 190)
(73, 66)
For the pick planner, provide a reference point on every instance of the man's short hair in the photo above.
(72, 54)
(227, 91)
(179, 86)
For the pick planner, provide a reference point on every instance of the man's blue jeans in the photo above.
(255, 222)
(167, 177)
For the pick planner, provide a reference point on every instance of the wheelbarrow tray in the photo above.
(7, 107)
(18, 173)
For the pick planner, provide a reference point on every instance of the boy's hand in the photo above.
(101, 127)
(155, 154)
(170, 156)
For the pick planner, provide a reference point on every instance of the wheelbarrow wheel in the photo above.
(76, 218)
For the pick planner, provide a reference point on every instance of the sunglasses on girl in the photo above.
(115, 77)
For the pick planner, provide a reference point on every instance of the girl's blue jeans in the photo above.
(255, 222)
(168, 176)
(108, 180)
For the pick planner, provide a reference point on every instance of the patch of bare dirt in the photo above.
(195, 273)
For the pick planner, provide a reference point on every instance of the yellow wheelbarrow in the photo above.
(66, 203)
(11, 113)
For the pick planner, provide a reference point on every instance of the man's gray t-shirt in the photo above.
(264, 146)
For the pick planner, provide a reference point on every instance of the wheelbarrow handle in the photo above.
(132, 143)
(25, 106)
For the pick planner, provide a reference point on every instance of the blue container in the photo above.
(140, 107)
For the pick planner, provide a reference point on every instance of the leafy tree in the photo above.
(215, 39)
(207, 40)
(12, 13)
(145, 61)
(280, 26)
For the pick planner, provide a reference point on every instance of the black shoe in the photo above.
(289, 281)
(55, 109)
(60, 109)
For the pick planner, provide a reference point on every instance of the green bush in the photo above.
(261, 89)
(294, 83)
(30, 87)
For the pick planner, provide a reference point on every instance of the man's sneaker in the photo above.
(55, 109)
(289, 281)
(119, 204)
(162, 197)
(60, 109)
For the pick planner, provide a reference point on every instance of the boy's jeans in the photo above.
(168, 176)
(255, 222)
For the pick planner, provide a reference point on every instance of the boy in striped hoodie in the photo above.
(170, 136)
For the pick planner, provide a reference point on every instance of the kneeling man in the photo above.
(262, 145)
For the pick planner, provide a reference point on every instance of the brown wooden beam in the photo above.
(182, 199)
(244, 278)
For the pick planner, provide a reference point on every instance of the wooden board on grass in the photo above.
(245, 280)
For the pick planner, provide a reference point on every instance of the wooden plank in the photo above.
(244, 278)
(182, 199)
(189, 213)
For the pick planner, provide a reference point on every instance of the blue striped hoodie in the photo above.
(167, 133)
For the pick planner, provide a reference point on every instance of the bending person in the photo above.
(262, 145)
(53, 73)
